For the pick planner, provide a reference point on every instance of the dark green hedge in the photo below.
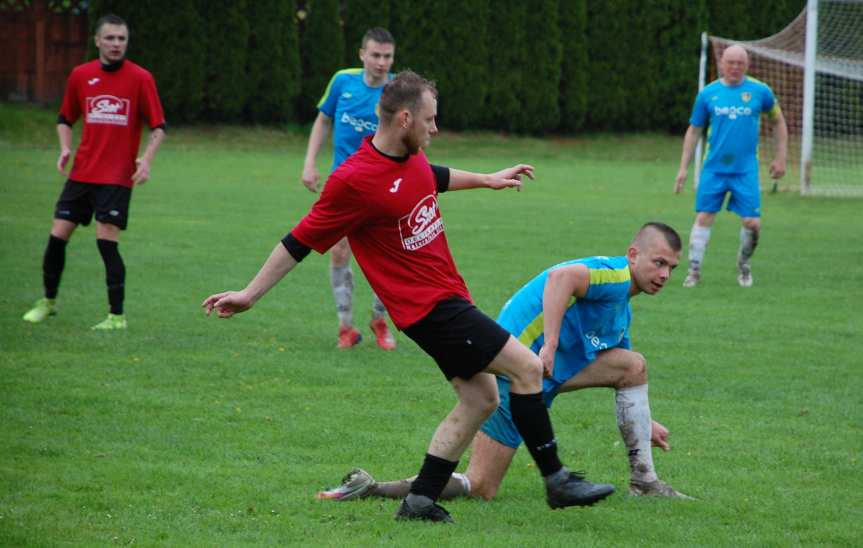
(573, 68)
(530, 67)
(358, 16)
(321, 50)
(273, 67)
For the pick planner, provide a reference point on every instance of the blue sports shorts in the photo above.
(744, 188)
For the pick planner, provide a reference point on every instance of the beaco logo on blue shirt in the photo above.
(358, 124)
(732, 112)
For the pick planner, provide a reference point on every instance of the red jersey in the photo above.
(388, 209)
(114, 105)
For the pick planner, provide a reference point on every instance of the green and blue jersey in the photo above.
(595, 322)
(352, 105)
(733, 114)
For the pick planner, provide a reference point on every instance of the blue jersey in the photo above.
(352, 106)
(733, 113)
(592, 323)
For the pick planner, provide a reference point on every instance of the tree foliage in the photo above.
(273, 70)
(507, 65)
(321, 51)
(360, 16)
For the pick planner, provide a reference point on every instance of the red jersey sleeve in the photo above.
(340, 210)
(70, 109)
(151, 106)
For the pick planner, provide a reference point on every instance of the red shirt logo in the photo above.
(107, 109)
(422, 225)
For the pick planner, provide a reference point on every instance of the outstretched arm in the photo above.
(562, 285)
(689, 142)
(505, 178)
(226, 304)
(311, 177)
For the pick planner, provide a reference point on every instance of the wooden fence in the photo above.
(42, 41)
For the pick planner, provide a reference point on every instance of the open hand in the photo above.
(227, 304)
(510, 177)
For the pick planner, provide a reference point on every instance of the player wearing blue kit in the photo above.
(596, 321)
(348, 106)
(732, 107)
(576, 317)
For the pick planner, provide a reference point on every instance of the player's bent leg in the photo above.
(530, 416)
(489, 461)
(626, 371)
(521, 366)
(477, 399)
(612, 368)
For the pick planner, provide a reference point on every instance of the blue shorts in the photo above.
(745, 192)
(499, 426)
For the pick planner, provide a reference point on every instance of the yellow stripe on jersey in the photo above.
(536, 328)
(775, 111)
(333, 79)
(609, 276)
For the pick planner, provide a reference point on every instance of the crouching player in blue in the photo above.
(576, 317)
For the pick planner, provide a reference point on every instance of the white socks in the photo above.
(698, 239)
(342, 281)
(634, 422)
(748, 243)
(378, 308)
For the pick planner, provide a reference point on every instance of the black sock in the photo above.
(531, 418)
(52, 265)
(434, 474)
(115, 274)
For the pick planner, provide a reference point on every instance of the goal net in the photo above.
(820, 92)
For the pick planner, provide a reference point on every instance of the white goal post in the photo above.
(815, 68)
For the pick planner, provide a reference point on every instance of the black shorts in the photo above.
(460, 338)
(79, 202)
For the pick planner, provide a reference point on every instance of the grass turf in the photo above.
(188, 430)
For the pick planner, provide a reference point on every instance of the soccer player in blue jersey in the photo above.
(732, 107)
(576, 317)
(349, 108)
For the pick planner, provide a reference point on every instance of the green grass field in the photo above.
(188, 430)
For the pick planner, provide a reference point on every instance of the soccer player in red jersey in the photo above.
(384, 199)
(115, 97)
